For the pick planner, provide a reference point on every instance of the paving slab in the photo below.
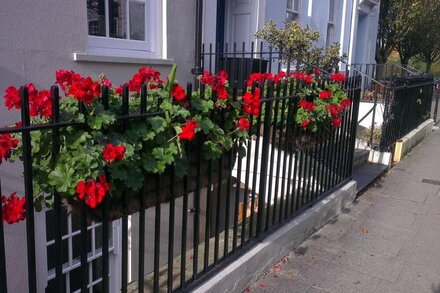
(388, 240)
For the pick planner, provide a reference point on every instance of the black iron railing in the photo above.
(285, 171)
(402, 93)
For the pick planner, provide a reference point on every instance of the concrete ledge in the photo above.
(409, 141)
(242, 272)
(382, 158)
(113, 59)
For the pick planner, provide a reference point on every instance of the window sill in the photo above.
(81, 57)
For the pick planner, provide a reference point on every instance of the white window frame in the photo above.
(45, 275)
(294, 10)
(155, 30)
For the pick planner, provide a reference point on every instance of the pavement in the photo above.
(388, 240)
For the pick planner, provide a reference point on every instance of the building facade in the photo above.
(116, 37)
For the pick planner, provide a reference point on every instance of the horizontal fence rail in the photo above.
(224, 207)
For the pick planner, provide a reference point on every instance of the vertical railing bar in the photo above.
(171, 232)
(3, 276)
(57, 198)
(208, 219)
(141, 261)
(254, 179)
(184, 219)
(277, 176)
(284, 193)
(217, 208)
(105, 217)
(27, 165)
(238, 185)
(197, 197)
(264, 158)
(289, 138)
(157, 222)
(271, 160)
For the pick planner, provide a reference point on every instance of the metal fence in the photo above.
(234, 203)
(403, 94)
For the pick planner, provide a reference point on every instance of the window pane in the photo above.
(290, 4)
(332, 11)
(137, 21)
(96, 17)
(290, 16)
(118, 18)
(296, 5)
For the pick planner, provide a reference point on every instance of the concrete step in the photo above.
(367, 173)
(360, 157)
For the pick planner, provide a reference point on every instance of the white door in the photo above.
(241, 21)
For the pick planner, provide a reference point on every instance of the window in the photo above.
(71, 253)
(292, 10)
(122, 27)
(331, 23)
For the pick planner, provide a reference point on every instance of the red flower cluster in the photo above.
(346, 103)
(309, 106)
(243, 124)
(217, 82)
(260, 78)
(7, 143)
(65, 79)
(305, 123)
(145, 75)
(40, 103)
(85, 90)
(13, 208)
(188, 130)
(302, 76)
(324, 95)
(113, 153)
(12, 98)
(338, 77)
(178, 93)
(92, 191)
(316, 71)
(252, 102)
(335, 110)
(336, 122)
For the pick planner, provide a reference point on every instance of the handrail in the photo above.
(364, 74)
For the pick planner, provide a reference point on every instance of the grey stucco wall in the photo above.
(39, 37)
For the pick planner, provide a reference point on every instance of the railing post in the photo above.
(264, 157)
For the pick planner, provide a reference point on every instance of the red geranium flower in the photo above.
(13, 208)
(113, 153)
(326, 94)
(222, 93)
(178, 93)
(85, 90)
(144, 75)
(41, 104)
(305, 123)
(338, 77)
(334, 110)
(91, 191)
(306, 105)
(252, 102)
(7, 143)
(65, 78)
(308, 79)
(346, 103)
(12, 98)
(316, 71)
(243, 124)
(336, 122)
(188, 130)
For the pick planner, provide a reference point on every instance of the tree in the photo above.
(430, 40)
(385, 35)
